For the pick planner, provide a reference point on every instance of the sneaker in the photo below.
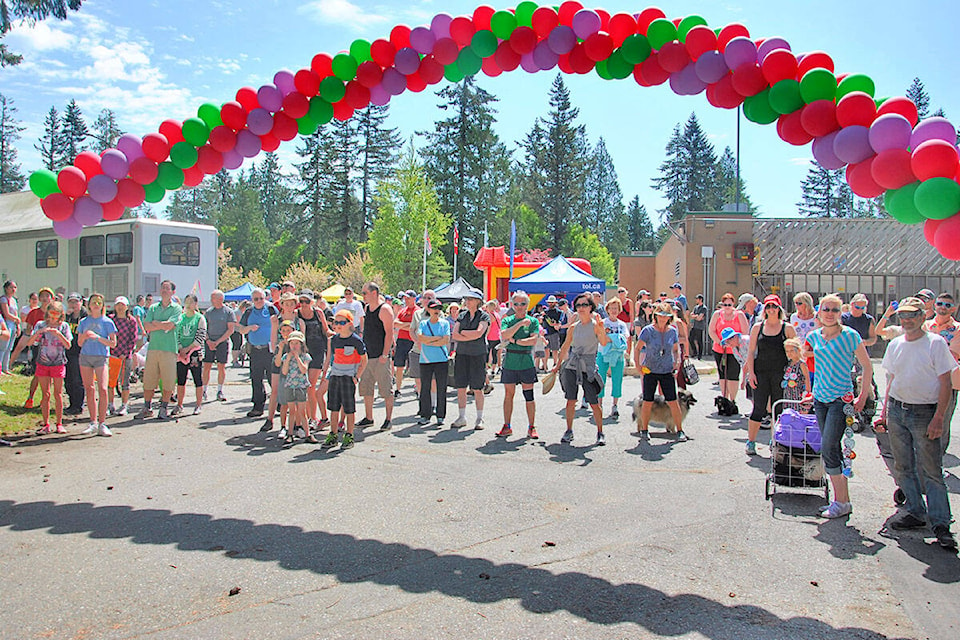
(615, 414)
(751, 448)
(93, 429)
(837, 510)
(682, 437)
(162, 412)
(366, 422)
(254, 413)
(221, 397)
(197, 410)
(123, 410)
(283, 433)
(567, 436)
(439, 422)
(324, 423)
(28, 404)
(644, 435)
(144, 414)
(347, 441)
(267, 425)
(459, 422)
(330, 441)
(532, 433)
(422, 421)
(505, 431)
(487, 389)
(299, 432)
(907, 521)
(396, 393)
(312, 424)
(61, 429)
(105, 430)
(44, 430)
(945, 538)
(479, 425)
(385, 426)
(5, 443)
(601, 439)
(111, 410)
(177, 410)
(204, 396)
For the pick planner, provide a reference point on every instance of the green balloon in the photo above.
(879, 101)
(210, 114)
(689, 23)
(502, 23)
(183, 155)
(938, 198)
(195, 131)
(320, 111)
(332, 89)
(524, 13)
(306, 125)
(757, 108)
(635, 49)
(360, 50)
(785, 97)
(154, 192)
(344, 66)
(469, 62)
(618, 67)
(484, 43)
(660, 32)
(602, 70)
(856, 82)
(43, 183)
(899, 203)
(818, 84)
(452, 73)
(169, 176)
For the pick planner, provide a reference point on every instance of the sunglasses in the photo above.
(519, 304)
(772, 306)
(830, 309)
(340, 323)
(909, 315)
(944, 303)
(258, 299)
(727, 304)
(858, 307)
(583, 304)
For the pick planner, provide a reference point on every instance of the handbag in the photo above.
(690, 372)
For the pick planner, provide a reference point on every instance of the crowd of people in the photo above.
(317, 358)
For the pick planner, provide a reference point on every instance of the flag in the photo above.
(456, 238)
(513, 243)
(428, 248)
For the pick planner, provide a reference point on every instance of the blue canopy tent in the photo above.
(558, 276)
(240, 293)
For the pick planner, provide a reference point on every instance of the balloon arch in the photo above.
(884, 148)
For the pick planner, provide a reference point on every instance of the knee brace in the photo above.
(528, 395)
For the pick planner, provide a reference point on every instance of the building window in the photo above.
(48, 254)
(182, 251)
(120, 248)
(91, 251)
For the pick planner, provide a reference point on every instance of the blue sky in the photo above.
(151, 60)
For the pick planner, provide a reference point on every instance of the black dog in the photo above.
(725, 406)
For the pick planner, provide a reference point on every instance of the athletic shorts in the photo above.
(666, 382)
(401, 352)
(93, 362)
(413, 368)
(160, 366)
(294, 395)
(236, 341)
(553, 341)
(341, 394)
(56, 371)
(469, 371)
(521, 376)
(317, 355)
(220, 355)
(591, 388)
(727, 366)
(194, 369)
(376, 374)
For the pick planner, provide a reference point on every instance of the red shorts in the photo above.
(59, 371)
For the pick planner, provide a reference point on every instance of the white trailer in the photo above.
(123, 257)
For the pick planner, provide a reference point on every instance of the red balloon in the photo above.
(369, 74)
(57, 207)
(143, 170)
(791, 130)
(930, 230)
(523, 40)
(947, 238)
(383, 52)
(489, 67)
(814, 60)
(156, 147)
(778, 65)
(567, 11)
(748, 79)
(856, 107)
(233, 115)
(113, 210)
(72, 182)
(604, 19)
(430, 71)
(700, 39)
(321, 64)
(544, 20)
(482, 15)
(934, 159)
(416, 84)
(342, 111)
(563, 63)
(172, 131)
(506, 56)
(621, 27)
(901, 105)
(400, 35)
(295, 105)
(722, 94)
(357, 96)
(729, 32)
(861, 181)
(462, 30)
(130, 193)
(676, 22)
(651, 71)
(647, 16)
(223, 138)
(89, 163)
(307, 82)
(579, 61)
(285, 127)
(598, 46)
(209, 160)
(247, 97)
(891, 169)
(819, 118)
(673, 57)
(445, 50)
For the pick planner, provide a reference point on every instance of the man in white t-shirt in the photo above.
(918, 366)
(354, 306)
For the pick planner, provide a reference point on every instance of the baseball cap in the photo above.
(911, 304)
(643, 292)
(411, 292)
(676, 285)
(119, 300)
(75, 296)
(274, 285)
(926, 294)
(473, 293)
(286, 323)
(296, 336)
(772, 299)
(288, 296)
(727, 334)
(289, 283)
(345, 313)
(306, 293)
(46, 290)
(744, 299)
(434, 304)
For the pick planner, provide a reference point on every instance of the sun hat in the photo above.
(121, 299)
(551, 298)
(911, 304)
(772, 299)
(727, 334)
(297, 336)
(287, 296)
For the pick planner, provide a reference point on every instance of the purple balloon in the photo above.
(528, 64)
(852, 144)
(102, 188)
(248, 144)
(259, 121)
(422, 40)
(544, 57)
(393, 82)
(889, 131)
(283, 79)
(232, 159)
(270, 98)
(440, 25)
(131, 146)
(769, 45)
(114, 163)
(823, 152)
(562, 40)
(710, 67)
(585, 23)
(740, 51)
(87, 211)
(686, 83)
(407, 61)
(68, 228)
(379, 95)
(935, 128)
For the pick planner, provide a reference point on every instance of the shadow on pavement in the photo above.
(417, 570)
(942, 566)
(561, 452)
(845, 541)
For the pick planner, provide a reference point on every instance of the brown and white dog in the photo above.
(661, 410)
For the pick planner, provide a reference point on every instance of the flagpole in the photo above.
(456, 249)
(424, 287)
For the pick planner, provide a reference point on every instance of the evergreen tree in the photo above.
(639, 227)
(190, 205)
(531, 227)
(688, 176)
(315, 181)
(51, 143)
(727, 183)
(918, 93)
(603, 201)
(11, 177)
(242, 229)
(276, 195)
(826, 194)
(106, 131)
(378, 151)
(32, 11)
(75, 132)
(344, 224)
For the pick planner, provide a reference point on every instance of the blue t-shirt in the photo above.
(103, 327)
(833, 360)
(658, 354)
(260, 318)
(431, 354)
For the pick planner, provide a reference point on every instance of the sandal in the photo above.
(288, 440)
(44, 430)
(311, 439)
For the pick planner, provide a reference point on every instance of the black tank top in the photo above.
(770, 353)
(374, 333)
(313, 331)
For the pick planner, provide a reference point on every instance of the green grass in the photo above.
(13, 417)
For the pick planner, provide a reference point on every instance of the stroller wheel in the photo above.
(899, 498)
(766, 489)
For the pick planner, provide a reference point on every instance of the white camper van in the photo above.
(124, 257)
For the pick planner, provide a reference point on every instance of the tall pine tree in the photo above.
(727, 183)
(106, 131)
(31, 11)
(11, 176)
(378, 147)
(639, 228)
(688, 175)
(314, 187)
(51, 142)
(75, 132)
(603, 211)
(276, 195)
(825, 193)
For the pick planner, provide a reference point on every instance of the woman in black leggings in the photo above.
(766, 360)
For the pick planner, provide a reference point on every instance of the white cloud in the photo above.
(800, 162)
(341, 12)
(39, 37)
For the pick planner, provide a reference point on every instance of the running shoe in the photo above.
(837, 510)
(505, 431)
(567, 436)
(532, 433)
(330, 441)
(601, 439)
(347, 441)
